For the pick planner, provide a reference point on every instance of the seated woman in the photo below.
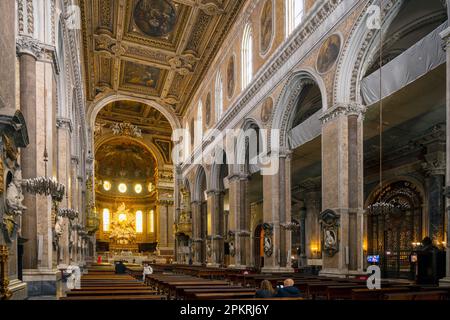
(266, 290)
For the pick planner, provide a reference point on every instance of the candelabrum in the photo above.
(68, 213)
(45, 186)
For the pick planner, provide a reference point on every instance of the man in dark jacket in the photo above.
(121, 268)
(288, 290)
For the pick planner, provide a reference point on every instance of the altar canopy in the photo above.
(418, 60)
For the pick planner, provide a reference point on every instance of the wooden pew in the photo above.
(376, 294)
(179, 290)
(116, 297)
(190, 294)
(421, 295)
(223, 295)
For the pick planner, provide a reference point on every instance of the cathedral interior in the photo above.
(220, 143)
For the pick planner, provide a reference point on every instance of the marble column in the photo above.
(237, 221)
(342, 186)
(303, 243)
(196, 233)
(215, 208)
(446, 37)
(435, 168)
(28, 52)
(64, 172)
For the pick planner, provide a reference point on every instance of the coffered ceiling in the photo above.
(157, 49)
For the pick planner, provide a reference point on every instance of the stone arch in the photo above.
(282, 114)
(240, 145)
(216, 170)
(357, 50)
(200, 174)
(105, 100)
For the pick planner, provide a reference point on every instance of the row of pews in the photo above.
(176, 282)
(199, 282)
(101, 283)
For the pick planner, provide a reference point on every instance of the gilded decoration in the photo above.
(157, 49)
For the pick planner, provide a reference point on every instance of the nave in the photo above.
(171, 282)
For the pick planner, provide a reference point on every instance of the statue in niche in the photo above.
(14, 195)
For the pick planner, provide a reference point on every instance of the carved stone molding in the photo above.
(64, 123)
(342, 109)
(29, 45)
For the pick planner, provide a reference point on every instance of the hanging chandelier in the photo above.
(45, 186)
(382, 207)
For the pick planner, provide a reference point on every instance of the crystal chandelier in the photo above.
(45, 186)
(68, 213)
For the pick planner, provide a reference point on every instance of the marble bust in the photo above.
(14, 195)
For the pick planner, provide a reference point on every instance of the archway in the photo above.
(133, 174)
(394, 225)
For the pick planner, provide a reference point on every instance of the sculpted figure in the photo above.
(14, 195)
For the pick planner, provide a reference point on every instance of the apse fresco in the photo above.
(155, 18)
(141, 75)
(230, 77)
(266, 26)
(328, 53)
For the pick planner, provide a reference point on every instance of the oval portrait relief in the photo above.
(155, 18)
(230, 77)
(328, 53)
(266, 26)
(208, 109)
(266, 110)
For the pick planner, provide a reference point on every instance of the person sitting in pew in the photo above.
(266, 290)
(288, 290)
(147, 270)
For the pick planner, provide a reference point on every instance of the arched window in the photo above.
(139, 222)
(247, 56)
(106, 219)
(295, 10)
(199, 125)
(219, 96)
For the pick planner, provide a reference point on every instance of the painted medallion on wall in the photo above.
(208, 109)
(328, 53)
(155, 18)
(266, 110)
(230, 77)
(266, 26)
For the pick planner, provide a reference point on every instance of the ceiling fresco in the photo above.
(153, 49)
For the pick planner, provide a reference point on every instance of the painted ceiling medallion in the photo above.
(155, 18)
(328, 53)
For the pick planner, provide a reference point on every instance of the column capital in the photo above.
(343, 109)
(64, 123)
(435, 163)
(30, 46)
